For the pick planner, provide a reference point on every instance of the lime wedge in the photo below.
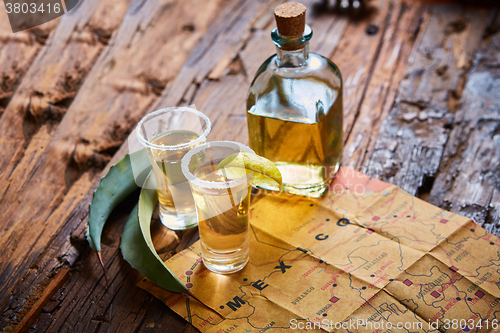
(265, 172)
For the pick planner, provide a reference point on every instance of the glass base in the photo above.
(224, 263)
(304, 180)
(178, 221)
(311, 192)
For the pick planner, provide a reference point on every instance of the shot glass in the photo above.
(222, 205)
(168, 134)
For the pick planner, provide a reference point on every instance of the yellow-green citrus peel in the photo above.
(265, 172)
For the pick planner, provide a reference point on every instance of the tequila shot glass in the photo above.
(222, 200)
(168, 134)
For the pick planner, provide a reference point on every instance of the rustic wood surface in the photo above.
(421, 108)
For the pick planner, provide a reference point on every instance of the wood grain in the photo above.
(17, 52)
(396, 43)
(468, 180)
(51, 83)
(409, 147)
(54, 285)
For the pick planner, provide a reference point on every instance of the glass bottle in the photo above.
(294, 108)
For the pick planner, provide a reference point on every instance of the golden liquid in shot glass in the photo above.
(167, 166)
(223, 222)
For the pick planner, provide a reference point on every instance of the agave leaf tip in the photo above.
(103, 268)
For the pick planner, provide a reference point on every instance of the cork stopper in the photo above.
(290, 19)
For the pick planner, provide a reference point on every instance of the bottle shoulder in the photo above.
(316, 66)
(301, 94)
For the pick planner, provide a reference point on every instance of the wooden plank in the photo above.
(468, 180)
(206, 58)
(17, 52)
(51, 83)
(54, 285)
(125, 81)
(410, 145)
(47, 90)
(397, 42)
(356, 57)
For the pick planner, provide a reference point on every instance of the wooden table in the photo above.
(421, 106)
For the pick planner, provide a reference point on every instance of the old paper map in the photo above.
(368, 257)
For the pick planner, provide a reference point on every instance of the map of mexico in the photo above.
(375, 256)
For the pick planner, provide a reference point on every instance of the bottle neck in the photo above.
(292, 58)
(292, 52)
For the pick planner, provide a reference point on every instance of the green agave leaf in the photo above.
(115, 186)
(137, 246)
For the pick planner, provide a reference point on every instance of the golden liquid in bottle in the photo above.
(301, 134)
